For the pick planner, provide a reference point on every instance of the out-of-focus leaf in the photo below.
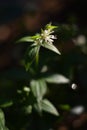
(6, 128)
(43, 87)
(27, 109)
(32, 51)
(47, 106)
(2, 118)
(38, 107)
(38, 88)
(2, 121)
(3, 127)
(6, 104)
(65, 107)
(51, 47)
(57, 79)
(27, 65)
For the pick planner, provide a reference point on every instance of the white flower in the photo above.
(50, 39)
(47, 36)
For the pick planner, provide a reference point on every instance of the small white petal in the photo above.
(52, 36)
(46, 31)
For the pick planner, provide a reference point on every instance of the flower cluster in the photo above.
(47, 36)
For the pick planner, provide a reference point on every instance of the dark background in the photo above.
(25, 17)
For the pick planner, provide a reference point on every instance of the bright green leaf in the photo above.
(26, 39)
(37, 36)
(49, 26)
(29, 38)
(51, 47)
(47, 106)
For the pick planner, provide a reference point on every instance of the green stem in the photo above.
(37, 57)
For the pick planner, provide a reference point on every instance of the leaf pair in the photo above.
(39, 89)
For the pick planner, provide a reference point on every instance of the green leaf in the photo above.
(33, 49)
(27, 65)
(38, 107)
(64, 107)
(43, 87)
(32, 55)
(29, 38)
(37, 36)
(27, 109)
(51, 47)
(38, 88)
(6, 128)
(7, 104)
(57, 79)
(1, 127)
(2, 121)
(26, 39)
(47, 106)
(2, 118)
(49, 26)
